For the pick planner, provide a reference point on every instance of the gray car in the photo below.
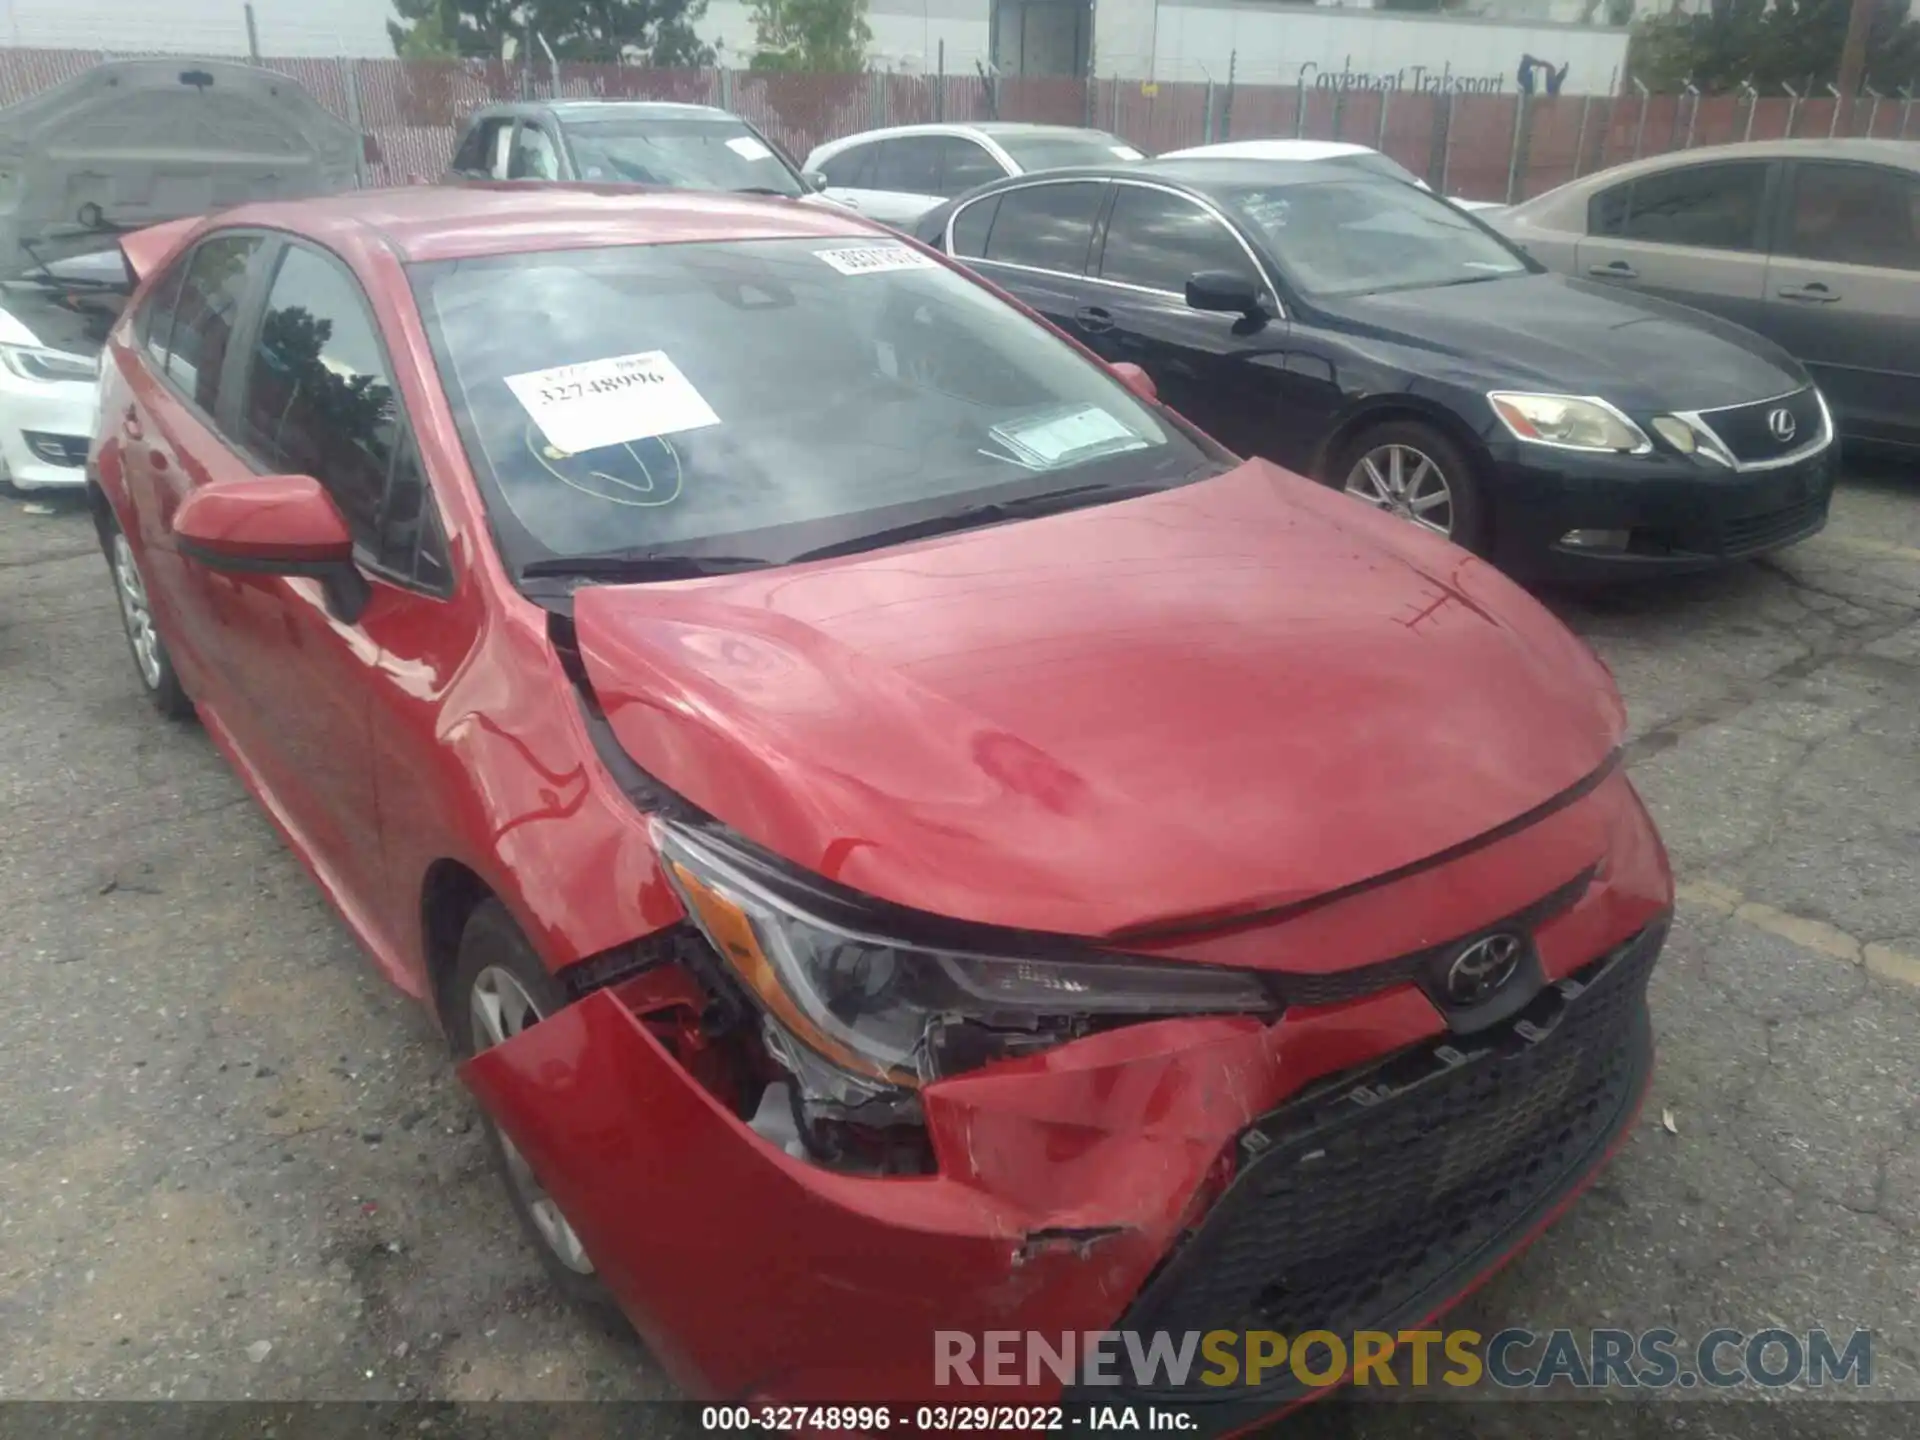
(1813, 243)
(686, 147)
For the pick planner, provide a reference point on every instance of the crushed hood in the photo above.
(133, 143)
(1236, 695)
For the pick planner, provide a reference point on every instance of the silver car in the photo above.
(1813, 243)
(897, 175)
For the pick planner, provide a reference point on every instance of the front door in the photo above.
(1694, 234)
(1843, 292)
(1215, 369)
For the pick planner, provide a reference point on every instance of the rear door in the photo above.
(1036, 240)
(1214, 369)
(1843, 291)
(1693, 233)
(178, 385)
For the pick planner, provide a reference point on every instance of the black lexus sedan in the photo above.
(1360, 330)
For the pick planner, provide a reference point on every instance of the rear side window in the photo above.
(972, 226)
(1046, 227)
(203, 317)
(1716, 207)
(319, 399)
(152, 326)
(851, 169)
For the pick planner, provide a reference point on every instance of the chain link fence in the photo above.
(1480, 147)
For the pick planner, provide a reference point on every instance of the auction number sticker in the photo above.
(598, 403)
(873, 259)
(748, 148)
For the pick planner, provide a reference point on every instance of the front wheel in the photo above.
(150, 659)
(1412, 471)
(499, 989)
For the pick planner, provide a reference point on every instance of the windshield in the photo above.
(1359, 236)
(1375, 163)
(686, 154)
(764, 398)
(1056, 150)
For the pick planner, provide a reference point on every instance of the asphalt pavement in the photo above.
(235, 1164)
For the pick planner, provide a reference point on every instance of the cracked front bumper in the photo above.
(1070, 1185)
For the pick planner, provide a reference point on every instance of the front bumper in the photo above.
(45, 430)
(1681, 515)
(1108, 1182)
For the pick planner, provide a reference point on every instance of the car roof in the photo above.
(1272, 150)
(992, 130)
(435, 222)
(1205, 173)
(1904, 153)
(605, 109)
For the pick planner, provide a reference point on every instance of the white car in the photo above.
(1364, 156)
(897, 175)
(123, 146)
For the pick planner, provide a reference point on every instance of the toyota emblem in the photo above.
(1781, 424)
(1482, 968)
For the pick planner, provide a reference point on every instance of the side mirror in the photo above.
(1136, 380)
(273, 525)
(814, 181)
(1224, 291)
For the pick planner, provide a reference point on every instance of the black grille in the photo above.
(1746, 431)
(1754, 532)
(1375, 1197)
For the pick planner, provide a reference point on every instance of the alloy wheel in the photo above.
(501, 1009)
(1405, 482)
(135, 612)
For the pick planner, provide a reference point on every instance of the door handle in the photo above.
(1093, 319)
(1614, 270)
(1812, 291)
(130, 424)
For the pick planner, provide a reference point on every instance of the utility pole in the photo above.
(1853, 54)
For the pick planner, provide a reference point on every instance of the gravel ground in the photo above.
(234, 1164)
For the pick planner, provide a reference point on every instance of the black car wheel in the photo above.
(1411, 470)
(499, 988)
(150, 659)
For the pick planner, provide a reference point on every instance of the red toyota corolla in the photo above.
(979, 857)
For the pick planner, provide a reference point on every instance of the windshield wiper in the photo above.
(639, 566)
(764, 190)
(991, 512)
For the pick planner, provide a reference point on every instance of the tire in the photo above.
(496, 971)
(1427, 458)
(151, 662)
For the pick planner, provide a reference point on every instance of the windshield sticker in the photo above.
(873, 259)
(610, 402)
(1070, 433)
(748, 148)
(1126, 152)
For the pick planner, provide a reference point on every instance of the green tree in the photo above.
(654, 32)
(1786, 42)
(819, 35)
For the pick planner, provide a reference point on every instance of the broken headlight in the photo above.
(900, 1012)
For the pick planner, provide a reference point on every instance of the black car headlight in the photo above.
(902, 1012)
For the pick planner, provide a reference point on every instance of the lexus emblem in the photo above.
(1482, 968)
(1781, 424)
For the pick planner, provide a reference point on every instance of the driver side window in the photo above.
(535, 157)
(1156, 239)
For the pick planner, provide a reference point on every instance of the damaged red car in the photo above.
(903, 833)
